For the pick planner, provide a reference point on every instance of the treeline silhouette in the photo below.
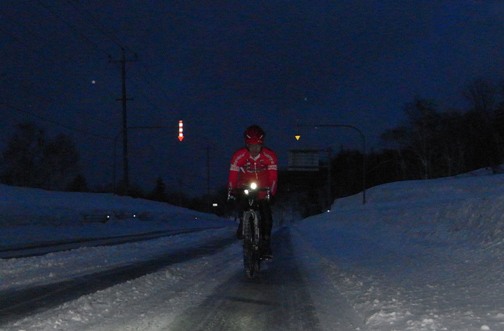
(430, 143)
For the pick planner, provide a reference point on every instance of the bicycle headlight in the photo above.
(252, 187)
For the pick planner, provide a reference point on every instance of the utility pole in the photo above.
(208, 169)
(124, 100)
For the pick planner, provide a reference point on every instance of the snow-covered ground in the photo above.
(420, 255)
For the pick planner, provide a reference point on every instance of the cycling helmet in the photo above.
(254, 135)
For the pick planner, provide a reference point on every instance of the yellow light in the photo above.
(297, 136)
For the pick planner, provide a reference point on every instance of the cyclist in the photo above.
(256, 163)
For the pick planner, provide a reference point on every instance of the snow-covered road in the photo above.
(203, 288)
(423, 255)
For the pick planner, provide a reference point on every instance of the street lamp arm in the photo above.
(149, 127)
(335, 126)
(363, 138)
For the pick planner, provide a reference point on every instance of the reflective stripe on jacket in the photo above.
(262, 169)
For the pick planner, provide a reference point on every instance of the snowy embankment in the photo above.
(32, 215)
(419, 255)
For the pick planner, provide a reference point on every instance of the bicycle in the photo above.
(251, 227)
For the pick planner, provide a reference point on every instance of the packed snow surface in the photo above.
(419, 255)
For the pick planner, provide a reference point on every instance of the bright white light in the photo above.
(253, 186)
(93, 82)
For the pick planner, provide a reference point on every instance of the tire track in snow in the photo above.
(276, 300)
(17, 304)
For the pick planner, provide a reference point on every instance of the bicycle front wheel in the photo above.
(251, 257)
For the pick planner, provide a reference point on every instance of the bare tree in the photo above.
(483, 98)
(22, 156)
(59, 163)
(31, 159)
(423, 129)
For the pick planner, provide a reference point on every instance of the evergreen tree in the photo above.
(79, 184)
(159, 192)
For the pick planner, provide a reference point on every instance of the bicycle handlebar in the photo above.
(246, 190)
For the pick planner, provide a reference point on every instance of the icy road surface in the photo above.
(205, 288)
(420, 255)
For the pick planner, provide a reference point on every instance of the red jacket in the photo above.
(262, 169)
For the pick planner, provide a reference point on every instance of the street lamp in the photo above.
(363, 140)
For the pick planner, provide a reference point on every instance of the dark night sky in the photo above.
(223, 65)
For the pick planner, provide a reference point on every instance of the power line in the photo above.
(54, 122)
(91, 18)
(72, 27)
(37, 36)
(97, 24)
(95, 46)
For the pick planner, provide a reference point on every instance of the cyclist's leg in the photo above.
(266, 217)
(266, 226)
(240, 209)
